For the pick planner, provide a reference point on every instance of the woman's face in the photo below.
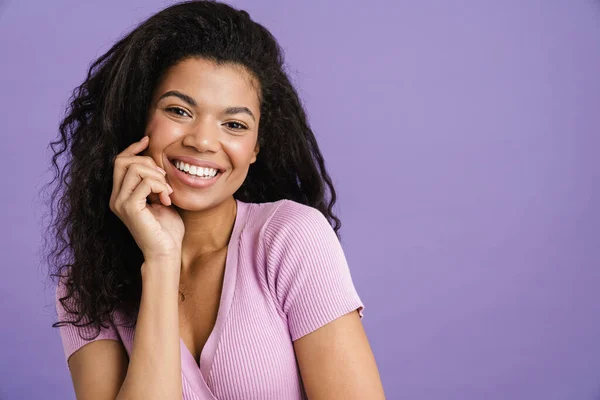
(207, 113)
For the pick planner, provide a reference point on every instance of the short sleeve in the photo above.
(307, 271)
(74, 337)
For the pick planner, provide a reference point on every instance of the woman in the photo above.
(204, 263)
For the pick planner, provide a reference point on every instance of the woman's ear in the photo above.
(256, 150)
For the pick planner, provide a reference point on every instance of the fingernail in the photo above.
(170, 188)
(161, 170)
(144, 138)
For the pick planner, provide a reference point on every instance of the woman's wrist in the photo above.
(162, 270)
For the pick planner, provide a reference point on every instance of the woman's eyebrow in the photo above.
(238, 110)
(193, 103)
(184, 97)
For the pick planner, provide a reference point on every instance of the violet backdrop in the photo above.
(463, 138)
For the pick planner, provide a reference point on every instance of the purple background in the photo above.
(463, 138)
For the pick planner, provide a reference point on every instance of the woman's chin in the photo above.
(192, 204)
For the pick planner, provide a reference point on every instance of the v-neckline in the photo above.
(197, 374)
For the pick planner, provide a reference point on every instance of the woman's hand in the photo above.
(156, 227)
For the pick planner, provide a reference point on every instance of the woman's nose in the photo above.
(203, 137)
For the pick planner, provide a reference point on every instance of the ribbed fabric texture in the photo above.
(286, 275)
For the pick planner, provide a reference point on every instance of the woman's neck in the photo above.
(206, 232)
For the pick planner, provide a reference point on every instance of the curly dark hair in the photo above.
(108, 112)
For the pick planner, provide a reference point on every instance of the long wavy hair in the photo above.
(108, 112)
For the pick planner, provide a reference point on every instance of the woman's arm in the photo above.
(336, 362)
(99, 369)
(155, 368)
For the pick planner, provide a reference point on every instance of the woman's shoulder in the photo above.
(287, 224)
(286, 216)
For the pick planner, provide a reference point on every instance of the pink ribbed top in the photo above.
(285, 276)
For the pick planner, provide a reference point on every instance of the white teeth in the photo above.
(195, 170)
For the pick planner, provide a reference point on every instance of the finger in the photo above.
(156, 198)
(165, 196)
(135, 174)
(144, 160)
(129, 151)
(137, 200)
(123, 163)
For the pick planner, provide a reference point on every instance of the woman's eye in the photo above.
(236, 126)
(179, 111)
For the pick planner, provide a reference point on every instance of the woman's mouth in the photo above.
(194, 176)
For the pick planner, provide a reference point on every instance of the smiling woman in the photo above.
(198, 211)
(205, 116)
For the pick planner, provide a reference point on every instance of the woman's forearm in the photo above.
(154, 370)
